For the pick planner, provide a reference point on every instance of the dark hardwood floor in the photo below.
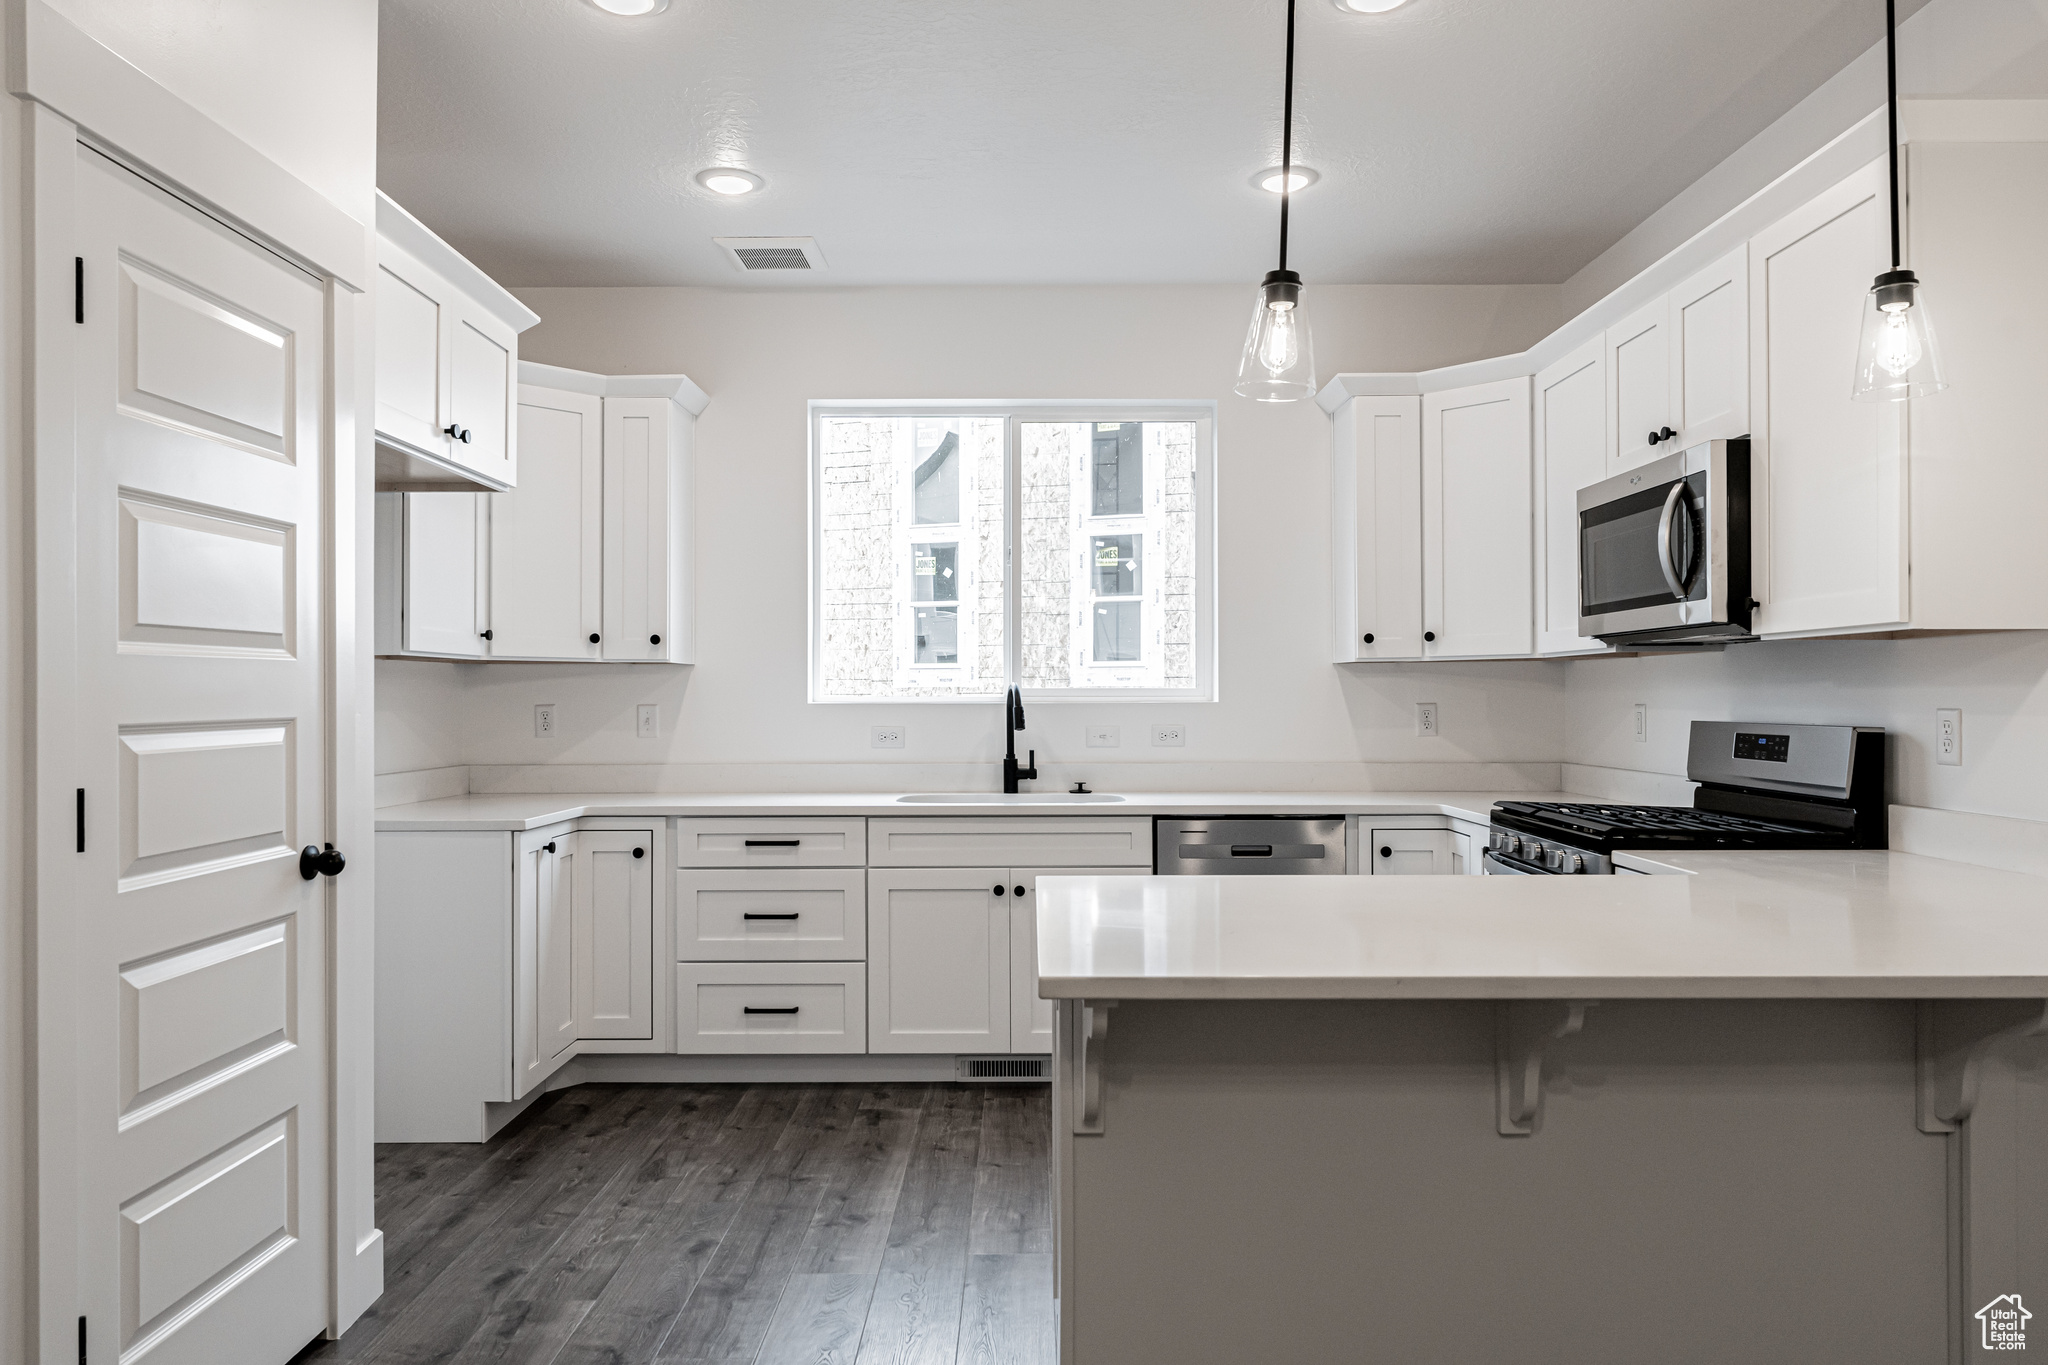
(778, 1224)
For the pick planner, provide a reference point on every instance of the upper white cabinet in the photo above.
(1681, 365)
(433, 575)
(1477, 565)
(546, 563)
(647, 515)
(1376, 529)
(1638, 355)
(447, 348)
(1571, 452)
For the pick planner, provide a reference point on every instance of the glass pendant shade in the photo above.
(1897, 357)
(1279, 364)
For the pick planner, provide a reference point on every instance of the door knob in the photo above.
(314, 862)
(487, 635)
(453, 431)
(464, 437)
(548, 847)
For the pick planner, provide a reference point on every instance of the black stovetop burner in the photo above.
(1605, 828)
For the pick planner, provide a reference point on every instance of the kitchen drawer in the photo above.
(754, 914)
(828, 1004)
(1011, 841)
(770, 843)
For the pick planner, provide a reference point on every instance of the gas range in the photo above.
(1761, 786)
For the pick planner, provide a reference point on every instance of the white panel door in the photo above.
(1412, 853)
(200, 998)
(1031, 1017)
(1571, 453)
(447, 582)
(1828, 505)
(1639, 386)
(546, 564)
(636, 528)
(412, 332)
(543, 956)
(1477, 565)
(1377, 529)
(1710, 353)
(939, 960)
(614, 934)
(481, 357)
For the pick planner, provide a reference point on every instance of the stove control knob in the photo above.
(1557, 858)
(1575, 863)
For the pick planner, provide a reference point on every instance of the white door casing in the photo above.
(200, 981)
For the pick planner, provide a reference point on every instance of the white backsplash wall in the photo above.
(1287, 717)
(1999, 682)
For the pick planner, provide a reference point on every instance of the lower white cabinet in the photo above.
(1414, 853)
(770, 1007)
(583, 945)
(939, 959)
(771, 915)
(543, 956)
(1031, 1017)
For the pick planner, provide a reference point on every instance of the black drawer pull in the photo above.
(549, 846)
(768, 1009)
(775, 843)
(751, 914)
(1251, 850)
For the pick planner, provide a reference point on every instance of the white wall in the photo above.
(1999, 681)
(762, 354)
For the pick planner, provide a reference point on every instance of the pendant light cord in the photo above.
(1287, 148)
(1891, 105)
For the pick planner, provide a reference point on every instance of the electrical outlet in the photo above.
(1172, 736)
(1105, 736)
(1948, 738)
(1425, 720)
(1642, 723)
(544, 720)
(885, 737)
(647, 721)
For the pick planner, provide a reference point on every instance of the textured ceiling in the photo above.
(994, 141)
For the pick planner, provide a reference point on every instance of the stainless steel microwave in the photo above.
(1664, 550)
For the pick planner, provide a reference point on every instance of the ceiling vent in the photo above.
(756, 255)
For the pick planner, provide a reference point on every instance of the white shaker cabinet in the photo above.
(543, 956)
(433, 574)
(939, 959)
(1031, 1017)
(1680, 365)
(649, 595)
(546, 561)
(446, 350)
(613, 890)
(1477, 563)
(1414, 853)
(1638, 354)
(1827, 474)
(1376, 528)
(1571, 453)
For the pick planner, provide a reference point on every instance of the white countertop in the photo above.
(1806, 925)
(525, 810)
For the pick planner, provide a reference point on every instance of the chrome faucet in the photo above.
(1013, 721)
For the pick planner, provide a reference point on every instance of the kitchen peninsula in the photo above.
(1773, 1107)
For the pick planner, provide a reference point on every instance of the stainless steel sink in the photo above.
(999, 799)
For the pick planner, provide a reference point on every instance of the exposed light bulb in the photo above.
(1279, 363)
(1898, 356)
(1281, 346)
(1898, 350)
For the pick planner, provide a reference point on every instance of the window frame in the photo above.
(1014, 414)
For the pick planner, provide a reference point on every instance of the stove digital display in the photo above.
(1763, 748)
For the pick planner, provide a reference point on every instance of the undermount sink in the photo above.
(1000, 799)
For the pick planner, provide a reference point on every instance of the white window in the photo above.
(955, 552)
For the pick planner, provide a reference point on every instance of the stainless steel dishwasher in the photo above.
(1249, 846)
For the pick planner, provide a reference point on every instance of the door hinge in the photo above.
(81, 819)
(78, 289)
(81, 1339)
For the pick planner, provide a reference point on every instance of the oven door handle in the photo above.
(1665, 522)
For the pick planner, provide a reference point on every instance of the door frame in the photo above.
(76, 91)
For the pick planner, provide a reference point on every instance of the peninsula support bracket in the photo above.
(1090, 1032)
(1524, 1032)
(1952, 1038)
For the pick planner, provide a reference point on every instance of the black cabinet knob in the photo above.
(1386, 851)
(487, 635)
(1666, 434)
(1429, 635)
(593, 637)
(654, 639)
(452, 431)
(639, 853)
(317, 862)
(548, 847)
(1020, 890)
(464, 438)
(1367, 637)
(998, 888)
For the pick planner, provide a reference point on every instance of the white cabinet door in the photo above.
(543, 952)
(1571, 453)
(770, 1007)
(939, 960)
(1828, 506)
(1412, 853)
(1639, 386)
(482, 354)
(1377, 529)
(752, 914)
(1710, 353)
(1030, 1017)
(447, 582)
(614, 939)
(637, 518)
(545, 534)
(1477, 570)
(412, 329)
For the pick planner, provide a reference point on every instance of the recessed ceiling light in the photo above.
(631, 6)
(728, 180)
(1300, 179)
(1369, 6)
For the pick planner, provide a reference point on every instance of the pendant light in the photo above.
(1896, 357)
(1279, 363)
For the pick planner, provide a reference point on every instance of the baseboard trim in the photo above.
(667, 1069)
